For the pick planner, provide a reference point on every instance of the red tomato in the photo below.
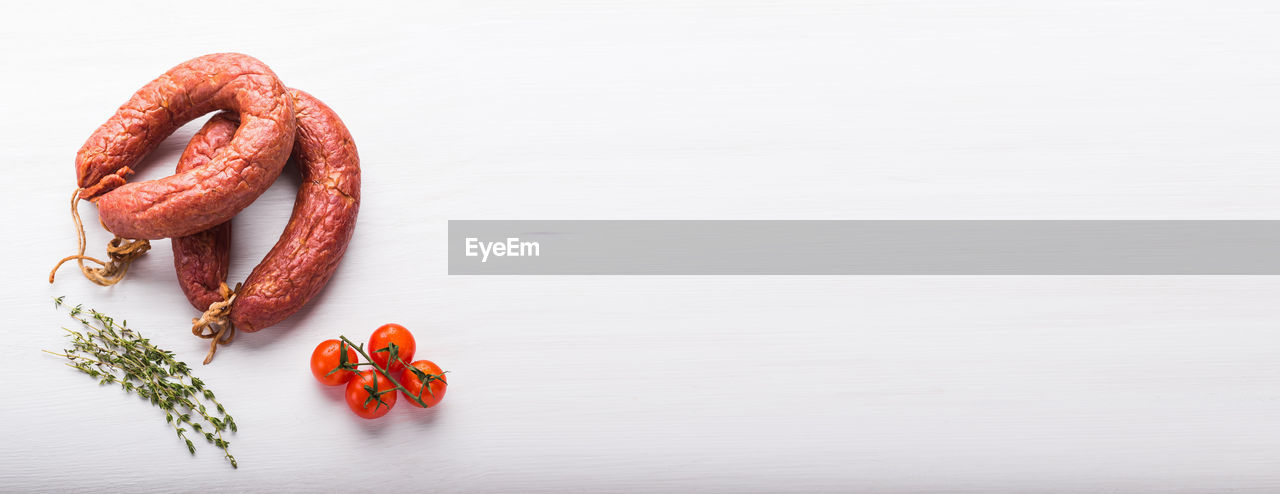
(361, 396)
(380, 347)
(326, 358)
(412, 381)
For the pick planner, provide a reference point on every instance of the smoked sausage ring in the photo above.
(198, 197)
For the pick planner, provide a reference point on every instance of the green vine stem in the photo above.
(426, 379)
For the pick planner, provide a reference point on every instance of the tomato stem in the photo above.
(360, 349)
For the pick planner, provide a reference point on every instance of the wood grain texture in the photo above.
(973, 109)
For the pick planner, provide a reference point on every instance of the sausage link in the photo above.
(200, 197)
(202, 259)
(313, 242)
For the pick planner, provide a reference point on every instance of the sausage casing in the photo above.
(314, 240)
(199, 197)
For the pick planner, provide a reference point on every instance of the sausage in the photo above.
(202, 259)
(323, 219)
(314, 240)
(197, 198)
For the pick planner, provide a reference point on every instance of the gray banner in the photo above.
(864, 247)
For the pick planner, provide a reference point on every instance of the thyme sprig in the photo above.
(394, 353)
(114, 354)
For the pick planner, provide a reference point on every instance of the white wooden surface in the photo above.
(972, 109)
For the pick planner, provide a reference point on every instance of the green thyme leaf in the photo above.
(113, 353)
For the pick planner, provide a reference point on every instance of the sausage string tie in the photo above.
(121, 251)
(215, 324)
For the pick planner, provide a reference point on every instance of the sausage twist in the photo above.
(232, 160)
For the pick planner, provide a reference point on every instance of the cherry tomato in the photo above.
(361, 399)
(383, 338)
(413, 382)
(326, 358)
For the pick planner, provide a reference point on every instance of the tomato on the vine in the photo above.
(327, 357)
(428, 372)
(380, 347)
(370, 394)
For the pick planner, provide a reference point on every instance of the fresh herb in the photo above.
(114, 354)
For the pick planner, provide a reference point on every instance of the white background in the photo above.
(975, 109)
